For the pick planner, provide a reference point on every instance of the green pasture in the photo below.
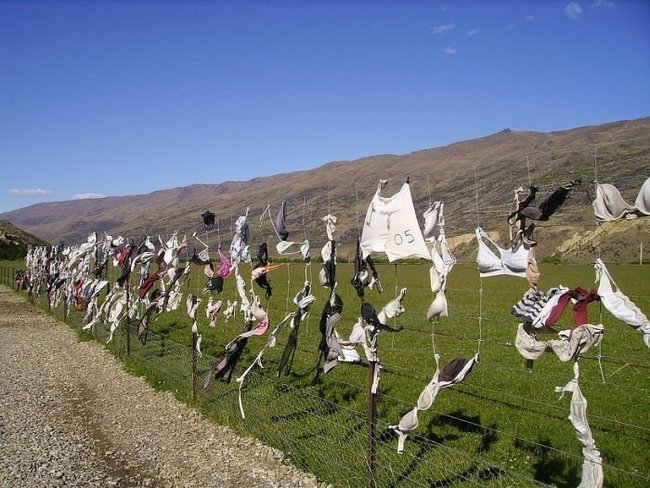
(504, 426)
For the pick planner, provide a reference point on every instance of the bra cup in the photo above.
(304, 249)
(614, 201)
(621, 307)
(322, 277)
(527, 345)
(609, 204)
(642, 202)
(487, 261)
(358, 335)
(426, 398)
(326, 251)
(433, 221)
(605, 285)
(115, 312)
(438, 307)
(600, 208)
(409, 421)
(430, 217)
(435, 279)
(516, 262)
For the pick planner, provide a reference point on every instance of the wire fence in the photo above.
(324, 428)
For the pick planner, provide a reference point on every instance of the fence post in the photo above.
(128, 317)
(65, 308)
(372, 426)
(193, 365)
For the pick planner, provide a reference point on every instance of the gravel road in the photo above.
(71, 416)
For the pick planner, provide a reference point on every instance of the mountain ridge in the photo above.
(489, 167)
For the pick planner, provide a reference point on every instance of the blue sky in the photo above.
(116, 98)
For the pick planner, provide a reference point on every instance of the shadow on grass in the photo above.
(551, 467)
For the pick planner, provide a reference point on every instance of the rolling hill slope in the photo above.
(15, 242)
(489, 168)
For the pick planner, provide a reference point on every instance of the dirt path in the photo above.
(71, 416)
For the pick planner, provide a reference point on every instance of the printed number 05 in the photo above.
(399, 239)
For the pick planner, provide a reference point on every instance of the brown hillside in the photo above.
(344, 188)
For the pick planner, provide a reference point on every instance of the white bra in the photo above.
(508, 262)
(618, 304)
(610, 205)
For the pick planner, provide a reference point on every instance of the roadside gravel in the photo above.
(71, 416)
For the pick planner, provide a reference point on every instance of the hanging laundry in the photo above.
(535, 306)
(592, 466)
(609, 204)
(569, 346)
(303, 300)
(329, 346)
(508, 262)
(229, 311)
(362, 277)
(518, 221)
(618, 304)
(208, 219)
(391, 226)
(327, 274)
(262, 268)
(284, 246)
(239, 248)
(580, 298)
(212, 311)
(450, 374)
(550, 204)
(280, 224)
(201, 258)
(442, 258)
(434, 222)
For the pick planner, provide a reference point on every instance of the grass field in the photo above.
(503, 426)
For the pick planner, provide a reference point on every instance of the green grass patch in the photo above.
(504, 426)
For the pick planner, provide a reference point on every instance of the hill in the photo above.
(15, 242)
(474, 178)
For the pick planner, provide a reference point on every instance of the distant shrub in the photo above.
(10, 251)
(555, 258)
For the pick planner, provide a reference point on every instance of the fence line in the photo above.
(320, 434)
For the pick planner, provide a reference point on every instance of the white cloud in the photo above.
(30, 192)
(444, 7)
(443, 28)
(450, 50)
(472, 32)
(82, 196)
(573, 10)
(603, 3)
(528, 18)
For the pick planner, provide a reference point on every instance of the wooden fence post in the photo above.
(128, 317)
(372, 427)
(193, 365)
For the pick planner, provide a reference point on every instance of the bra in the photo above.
(508, 262)
(610, 205)
(618, 304)
(438, 307)
(433, 221)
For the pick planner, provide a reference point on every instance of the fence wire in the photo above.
(322, 426)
